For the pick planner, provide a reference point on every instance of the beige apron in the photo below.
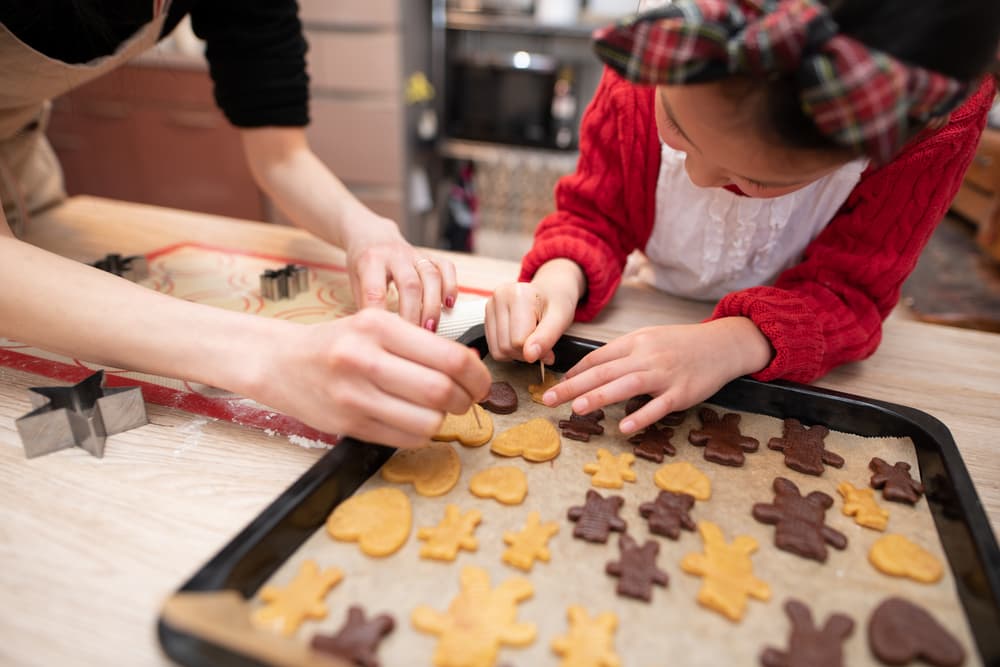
(30, 177)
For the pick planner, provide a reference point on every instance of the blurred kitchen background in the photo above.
(453, 117)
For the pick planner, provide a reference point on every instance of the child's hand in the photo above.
(524, 320)
(678, 365)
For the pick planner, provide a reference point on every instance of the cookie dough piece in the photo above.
(530, 544)
(453, 533)
(668, 514)
(899, 557)
(727, 572)
(590, 642)
(433, 469)
(473, 429)
(636, 569)
(610, 471)
(804, 448)
(597, 517)
(860, 503)
(502, 399)
(653, 443)
(535, 440)
(721, 438)
(538, 390)
(900, 632)
(357, 639)
(378, 520)
(505, 484)
(286, 608)
(800, 522)
(478, 621)
(808, 645)
(682, 477)
(895, 481)
(582, 427)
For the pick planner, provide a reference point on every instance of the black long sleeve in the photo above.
(255, 48)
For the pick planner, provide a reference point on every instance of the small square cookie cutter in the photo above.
(284, 283)
(132, 267)
(83, 415)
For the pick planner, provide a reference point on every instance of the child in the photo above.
(786, 159)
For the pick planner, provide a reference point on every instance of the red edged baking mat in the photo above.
(228, 279)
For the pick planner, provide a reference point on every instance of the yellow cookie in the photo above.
(286, 608)
(590, 642)
(506, 484)
(727, 572)
(860, 503)
(433, 469)
(610, 471)
(444, 540)
(472, 429)
(538, 390)
(379, 521)
(530, 544)
(899, 557)
(682, 477)
(535, 440)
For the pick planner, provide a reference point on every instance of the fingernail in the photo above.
(628, 426)
(580, 406)
(449, 302)
(431, 325)
(549, 397)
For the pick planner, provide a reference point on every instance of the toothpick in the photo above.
(475, 413)
(541, 365)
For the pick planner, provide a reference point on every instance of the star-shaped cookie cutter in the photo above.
(284, 283)
(83, 415)
(133, 267)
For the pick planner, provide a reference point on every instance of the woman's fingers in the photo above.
(369, 282)
(430, 280)
(449, 281)
(409, 286)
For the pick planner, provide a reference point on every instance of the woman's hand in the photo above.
(524, 320)
(377, 254)
(679, 365)
(371, 376)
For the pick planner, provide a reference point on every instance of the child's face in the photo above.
(724, 147)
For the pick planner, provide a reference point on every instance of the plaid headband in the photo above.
(858, 97)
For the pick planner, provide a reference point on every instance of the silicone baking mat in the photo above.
(229, 279)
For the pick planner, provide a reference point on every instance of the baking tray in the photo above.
(253, 556)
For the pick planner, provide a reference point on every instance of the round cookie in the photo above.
(378, 520)
(506, 484)
(433, 469)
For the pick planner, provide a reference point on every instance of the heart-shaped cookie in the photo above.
(378, 520)
(900, 632)
(472, 429)
(433, 469)
(505, 484)
(535, 440)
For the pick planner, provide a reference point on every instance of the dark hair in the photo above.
(958, 38)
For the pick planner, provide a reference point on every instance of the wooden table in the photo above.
(89, 548)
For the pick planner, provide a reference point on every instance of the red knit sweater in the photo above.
(823, 312)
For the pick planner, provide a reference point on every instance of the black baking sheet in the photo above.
(253, 556)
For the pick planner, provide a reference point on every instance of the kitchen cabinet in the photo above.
(981, 188)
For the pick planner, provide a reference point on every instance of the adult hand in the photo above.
(679, 365)
(377, 254)
(371, 376)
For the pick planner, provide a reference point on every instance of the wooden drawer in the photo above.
(360, 140)
(351, 12)
(984, 172)
(334, 61)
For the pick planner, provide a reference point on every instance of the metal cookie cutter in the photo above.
(285, 283)
(133, 267)
(83, 415)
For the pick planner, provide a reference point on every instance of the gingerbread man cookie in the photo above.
(433, 469)
(378, 520)
(535, 440)
(728, 572)
(610, 471)
(682, 477)
(357, 639)
(286, 608)
(899, 557)
(505, 484)
(590, 642)
(582, 427)
(597, 517)
(453, 533)
(721, 438)
(860, 503)
(808, 645)
(653, 443)
(895, 481)
(472, 429)
(636, 569)
(638, 402)
(800, 522)
(478, 621)
(668, 514)
(804, 448)
(530, 544)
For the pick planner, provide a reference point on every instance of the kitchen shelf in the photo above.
(518, 24)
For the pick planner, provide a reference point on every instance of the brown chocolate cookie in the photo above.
(357, 639)
(809, 646)
(653, 443)
(900, 632)
(581, 427)
(636, 569)
(671, 419)
(799, 522)
(804, 448)
(668, 514)
(895, 481)
(597, 517)
(721, 438)
(502, 399)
